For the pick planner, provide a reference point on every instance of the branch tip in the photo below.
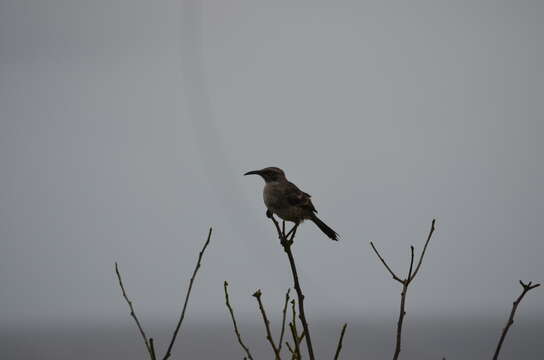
(526, 288)
(187, 295)
(257, 295)
(405, 283)
(133, 314)
(339, 346)
(236, 331)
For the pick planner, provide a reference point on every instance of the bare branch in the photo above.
(293, 356)
(286, 243)
(296, 341)
(296, 338)
(294, 314)
(385, 264)
(283, 320)
(301, 337)
(152, 348)
(526, 288)
(257, 295)
(411, 261)
(431, 231)
(339, 347)
(191, 281)
(405, 283)
(246, 349)
(133, 314)
(402, 313)
(296, 354)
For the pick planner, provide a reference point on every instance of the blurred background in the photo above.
(126, 126)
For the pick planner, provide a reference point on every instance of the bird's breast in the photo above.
(272, 196)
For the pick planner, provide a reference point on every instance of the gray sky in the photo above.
(126, 127)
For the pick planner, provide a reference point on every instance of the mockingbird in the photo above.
(286, 200)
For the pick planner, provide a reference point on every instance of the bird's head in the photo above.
(269, 174)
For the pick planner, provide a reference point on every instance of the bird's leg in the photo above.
(281, 234)
(291, 233)
(283, 228)
(294, 232)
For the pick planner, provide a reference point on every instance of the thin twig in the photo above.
(294, 332)
(385, 264)
(339, 347)
(300, 338)
(296, 354)
(526, 288)
(133, 314)
(411, 261)
(405, 283)
(191, 281)
(236, 331)
(286, 242)
(423, 252)
(257, 295)
(152, 348)
(290, 349)
(283, 320)
(294, 314)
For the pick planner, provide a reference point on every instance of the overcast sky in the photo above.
(126, 127)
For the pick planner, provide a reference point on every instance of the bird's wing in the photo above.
(297, 197)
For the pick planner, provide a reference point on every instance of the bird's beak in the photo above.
(254, 172)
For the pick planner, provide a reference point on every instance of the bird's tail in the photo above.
(325, 228)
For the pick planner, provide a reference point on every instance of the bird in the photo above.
(286, 200)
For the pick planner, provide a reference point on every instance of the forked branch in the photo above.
(295, 350)
(526, 288)
(423, 252)
(149, 343)
(405, 283)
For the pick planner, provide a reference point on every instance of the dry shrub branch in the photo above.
(286, 241)
(293, 345)
(526, 288)
(405, 283)
(149, 342)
